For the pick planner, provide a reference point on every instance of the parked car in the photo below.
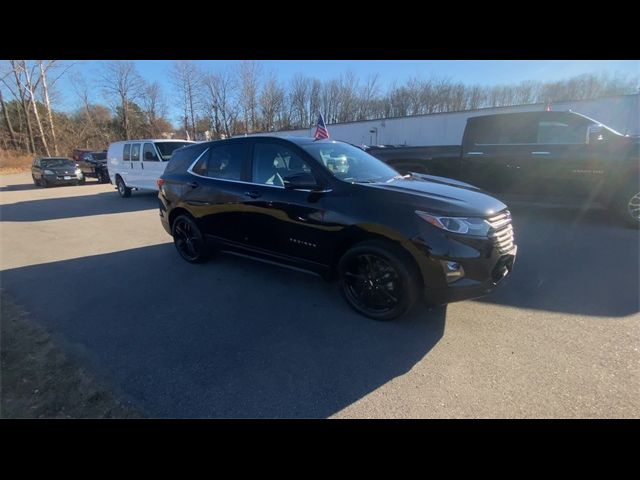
(333, 209)
(137, 164)
(48, 171)
(543, 156)
(94, 165)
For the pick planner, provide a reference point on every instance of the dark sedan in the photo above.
(49, 171)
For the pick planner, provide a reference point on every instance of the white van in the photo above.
(139, 163)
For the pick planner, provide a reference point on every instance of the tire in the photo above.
(189, 240)
(627, 205)
(378, 279)
(43, 183)
(35, 182)
(123, 190)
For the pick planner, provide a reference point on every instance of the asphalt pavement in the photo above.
(244, 339)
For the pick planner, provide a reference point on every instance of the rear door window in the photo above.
(126, 153)
(561, 132)
(226, 161)
(505, 130)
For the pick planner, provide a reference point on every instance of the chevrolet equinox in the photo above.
(333, 209)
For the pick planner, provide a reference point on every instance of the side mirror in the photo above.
(300, 181)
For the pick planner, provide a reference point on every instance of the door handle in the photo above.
(253, 194)
(193, 184)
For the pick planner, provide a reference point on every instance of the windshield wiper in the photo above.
(399, 177)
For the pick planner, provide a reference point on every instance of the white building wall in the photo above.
(622, 113)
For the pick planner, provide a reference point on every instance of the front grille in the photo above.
(501, 231)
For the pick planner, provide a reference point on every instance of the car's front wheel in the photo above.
(35, 182)
(189, 240)
(378, 279)
(123, 190)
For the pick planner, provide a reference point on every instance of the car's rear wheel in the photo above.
(189, 240)
(378, 280)
(123, 190)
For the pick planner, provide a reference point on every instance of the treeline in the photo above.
(121, 104)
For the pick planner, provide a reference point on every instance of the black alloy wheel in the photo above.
(377, 281)
(189, 241)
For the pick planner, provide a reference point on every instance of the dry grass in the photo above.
(40, 381)
(14, 162)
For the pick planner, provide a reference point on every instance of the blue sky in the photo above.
(484, 72)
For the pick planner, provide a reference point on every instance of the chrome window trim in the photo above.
(190, 171)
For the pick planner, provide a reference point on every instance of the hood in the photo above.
(443, 195)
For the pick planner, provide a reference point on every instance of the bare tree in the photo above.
(154, 108)
(122, 83)
(187, 79)
(299, 99)
(7, 120)
(21, 94)
(30, 85)
(271, 103)
(220, 89)
(249, 82)
(47, 102)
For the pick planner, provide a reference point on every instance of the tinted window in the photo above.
(126, 153)
(272, 162)
(201, 167)
(226, 161)
(100, 156)
(135, 152)
(182, 158)
(503, 130)
(166, 149)
(561, 132)
(149, 153)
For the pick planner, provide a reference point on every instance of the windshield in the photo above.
(57, 162)
(166, 148)
(349, 163)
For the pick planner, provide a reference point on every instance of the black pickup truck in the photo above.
(93, 164)
(541, 156)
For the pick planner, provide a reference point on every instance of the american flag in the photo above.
(321, 129)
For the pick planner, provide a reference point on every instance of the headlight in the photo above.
(462, 225)
(49, 172)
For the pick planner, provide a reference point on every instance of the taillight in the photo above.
(159, 183)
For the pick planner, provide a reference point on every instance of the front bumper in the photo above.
(496, 268)
(63, 179)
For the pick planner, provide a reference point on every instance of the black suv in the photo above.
(333, 209)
